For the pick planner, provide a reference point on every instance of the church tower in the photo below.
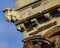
(38, 20)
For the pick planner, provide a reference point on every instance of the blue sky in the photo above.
(9, 36)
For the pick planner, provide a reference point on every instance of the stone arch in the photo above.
(53, 32)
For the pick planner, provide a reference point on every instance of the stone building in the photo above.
(38, 20)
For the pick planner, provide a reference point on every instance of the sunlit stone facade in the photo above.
(38, 20)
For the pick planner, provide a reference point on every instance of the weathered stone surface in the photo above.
(38, 20)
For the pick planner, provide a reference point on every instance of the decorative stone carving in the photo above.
(39, 20)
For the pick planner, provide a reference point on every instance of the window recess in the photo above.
(42, 19)
(30, 25)
(55, 14)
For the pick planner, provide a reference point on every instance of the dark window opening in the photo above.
(42, 19)
(27, 24)
(35, 42)
(45, 45)
(55, 14)
(34, 24)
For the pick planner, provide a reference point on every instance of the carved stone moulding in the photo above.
(53, 35)
(37, 42)
(50, 40)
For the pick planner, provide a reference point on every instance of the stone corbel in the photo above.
(11, 14)
(47, 15)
